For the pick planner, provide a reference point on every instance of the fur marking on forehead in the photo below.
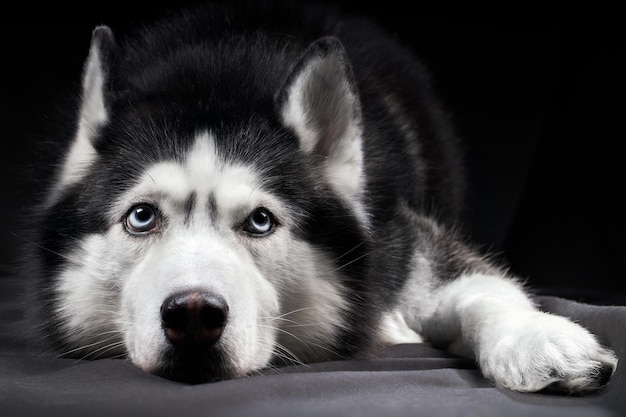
(203, 173)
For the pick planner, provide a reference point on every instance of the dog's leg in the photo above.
(473, 308)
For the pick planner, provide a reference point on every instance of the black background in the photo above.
(534, 93)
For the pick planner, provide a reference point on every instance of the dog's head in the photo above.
(202, 234)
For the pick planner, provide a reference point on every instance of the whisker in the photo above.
(293, 323)
(104, 349)
(296, 324)
(307, 344)
(285, 332)
(77, 349)
(88, 346)
(287, 355)
(353, 260)
(290, 313)
(30, 242)
(358, 245)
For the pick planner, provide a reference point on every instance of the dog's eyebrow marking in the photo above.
(189, 205)
(212, 207)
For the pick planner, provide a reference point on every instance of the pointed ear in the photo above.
(320, 103)
(94, 103)
(97, 77)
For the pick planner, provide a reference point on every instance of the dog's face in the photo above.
(200, 288)
(201, 272)
(208, 251)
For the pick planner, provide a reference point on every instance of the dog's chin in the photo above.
(196, 366)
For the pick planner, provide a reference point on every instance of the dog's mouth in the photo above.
(194, 365)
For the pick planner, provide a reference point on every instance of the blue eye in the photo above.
(260, 222)
(141, 219)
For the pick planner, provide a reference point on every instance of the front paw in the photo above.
(531, 350)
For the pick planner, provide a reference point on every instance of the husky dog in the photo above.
(268, 184)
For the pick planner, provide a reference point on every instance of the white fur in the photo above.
(90, 302)
(395, 330)
(295, 115)
(517, 346)
(198, 259)
(312, 301)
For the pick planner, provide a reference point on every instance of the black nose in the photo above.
(194, 318)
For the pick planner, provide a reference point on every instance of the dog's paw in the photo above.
(531, 351)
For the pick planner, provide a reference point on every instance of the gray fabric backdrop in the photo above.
(403, 380)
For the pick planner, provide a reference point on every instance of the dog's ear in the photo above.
(97, 85)
(98, 78)
(320, 103)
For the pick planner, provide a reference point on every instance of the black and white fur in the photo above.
(275, 184)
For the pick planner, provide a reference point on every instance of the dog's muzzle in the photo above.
(194, 318)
